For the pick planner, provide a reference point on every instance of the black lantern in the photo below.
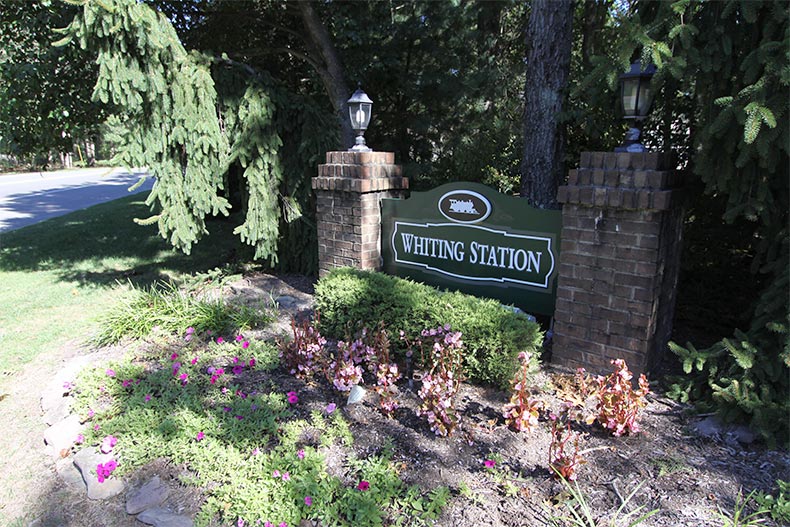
(359, 110)
(636, 97)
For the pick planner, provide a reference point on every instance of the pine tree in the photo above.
(194, 133)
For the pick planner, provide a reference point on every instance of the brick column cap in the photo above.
(361, 186)
(346, 157)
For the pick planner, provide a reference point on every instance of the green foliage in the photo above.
(778, 507)
(171, 310)
(580, 514)
(238, 446)
(493, 335)
(739, 517)
(44, 92)
(746, 378)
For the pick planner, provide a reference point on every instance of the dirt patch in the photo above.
(683, 475)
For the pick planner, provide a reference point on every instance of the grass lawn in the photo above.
(57, 276)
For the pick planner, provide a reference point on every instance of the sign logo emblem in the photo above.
(464, 206)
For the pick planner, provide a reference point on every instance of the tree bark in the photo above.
(548, 39)
(330, 70)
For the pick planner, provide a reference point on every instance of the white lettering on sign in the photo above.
(433, 247)
(479, 254)
(505, 257)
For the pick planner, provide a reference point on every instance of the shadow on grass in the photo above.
(102, 244)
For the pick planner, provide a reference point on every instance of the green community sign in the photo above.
(468, 237)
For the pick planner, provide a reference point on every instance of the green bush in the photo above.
(349, 299)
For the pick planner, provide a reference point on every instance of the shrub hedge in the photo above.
(494, 335)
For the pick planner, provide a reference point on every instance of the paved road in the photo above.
(36, 196)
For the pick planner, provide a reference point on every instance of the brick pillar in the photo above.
(622, 221)
(348, 190)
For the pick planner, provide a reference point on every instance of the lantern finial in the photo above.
(359, 111)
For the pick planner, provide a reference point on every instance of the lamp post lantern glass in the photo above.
(636, 98)
(359, 111)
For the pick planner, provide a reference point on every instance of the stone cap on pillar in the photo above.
(629, 160)
(360, 172)
(345, 157)
(623, 180)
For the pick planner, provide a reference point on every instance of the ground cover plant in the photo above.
(209, 403)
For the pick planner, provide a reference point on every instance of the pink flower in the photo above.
(286, 476)
(293, 398)
(245, 345)
(300, 454)
(256, 451)
(103, 471)
(96, 427)
(200, 435)
(363, 485)
(268, 524)
(108, 443)
(489, 463)
(283, 524)
(91, 413)
(147, 397)
(174, 356)
(176, 367)
(190, 330)
(252, 362)
(235, 360)
(239, 338)
(193, 361)
(276, 474)
(110, 373)
(308, 501)
(79, 439)
(239, 417)
(237, 370)
(220, 340)
(331, 407)
(184, 378)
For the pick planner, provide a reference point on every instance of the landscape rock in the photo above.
(69, 474)
(287, 302)
(710, 427)
(55, 401)
(743, 434)
(159, 517)
(86, 461)
(150, 495)
(62, 434)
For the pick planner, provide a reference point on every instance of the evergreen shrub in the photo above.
(349, 299)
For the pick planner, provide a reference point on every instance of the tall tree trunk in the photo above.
(548, 38)
(330, 71)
